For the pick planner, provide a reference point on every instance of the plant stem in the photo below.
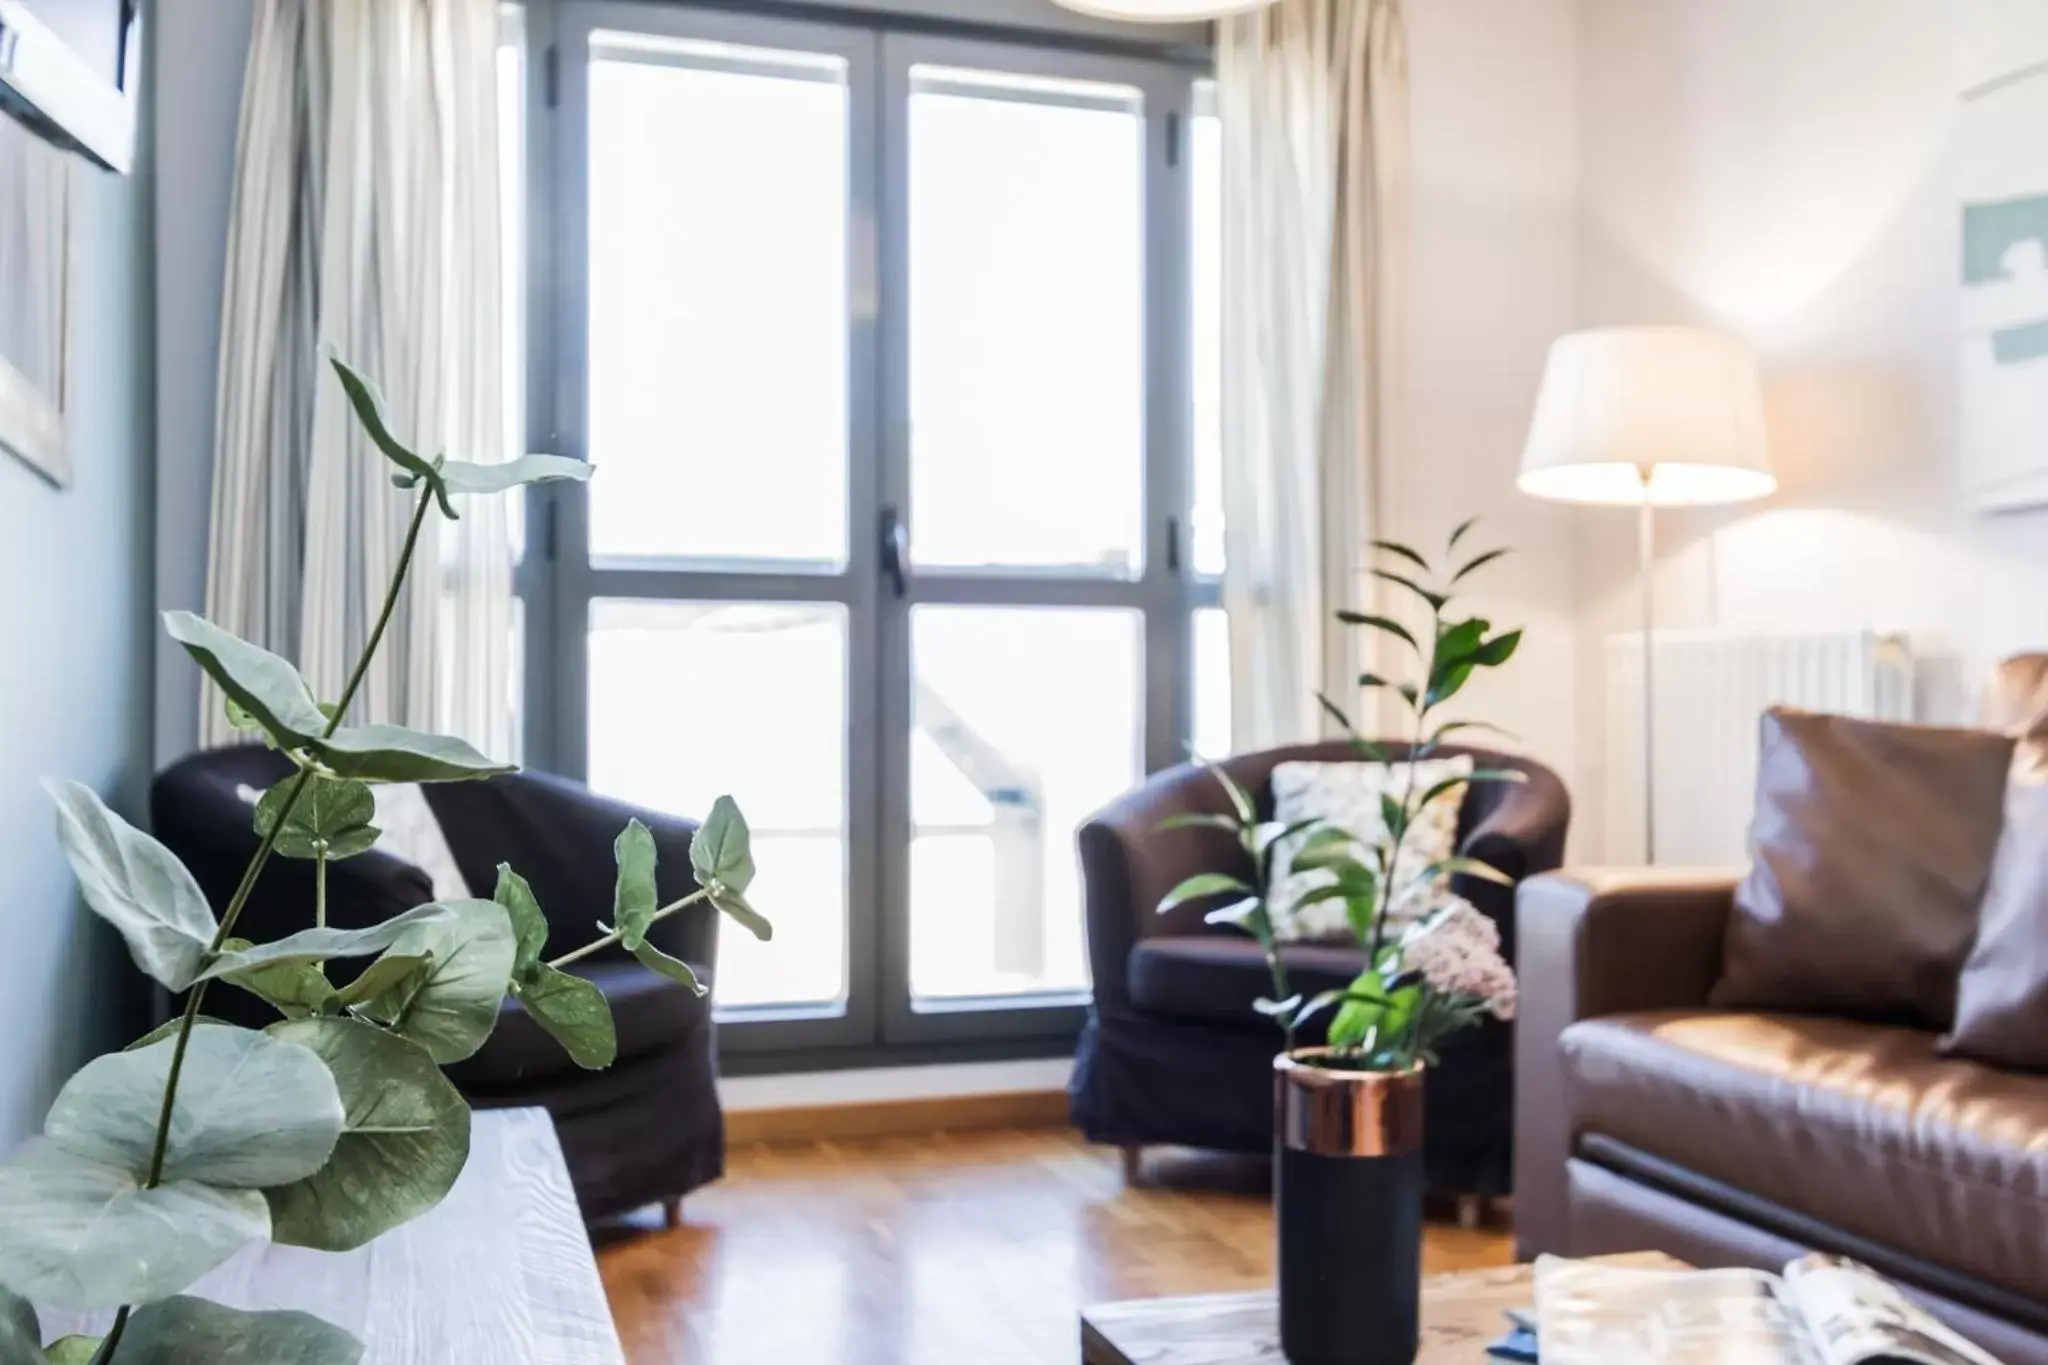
(355, 679)
(195, 997)
(596, 945)
(1422, 705)
(113, 1338)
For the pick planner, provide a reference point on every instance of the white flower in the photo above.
(1457, 952)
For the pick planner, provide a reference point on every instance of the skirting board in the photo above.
(894, 1118)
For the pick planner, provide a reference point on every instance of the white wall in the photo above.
(1495, 255)
(1785, 170)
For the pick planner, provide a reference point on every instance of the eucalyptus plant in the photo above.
(335, 1124)
(1445, 971)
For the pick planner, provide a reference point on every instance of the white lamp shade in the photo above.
(1667, 415)
(1162, 11)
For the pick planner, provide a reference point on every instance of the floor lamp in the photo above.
(1648, 417)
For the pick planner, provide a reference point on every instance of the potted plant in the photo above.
(335, 1124)
(1348, 1179)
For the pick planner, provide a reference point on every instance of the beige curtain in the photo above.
(366, 218)
(1313, 99)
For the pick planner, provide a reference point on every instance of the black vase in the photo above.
(1347, 1192)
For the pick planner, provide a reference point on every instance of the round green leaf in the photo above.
(81, 1234)
(722, 850)
(251, 1111)
(189, 1331)
(746, 916)
(136, 884)
(169, 1029)
(674, 968)
(575, 1013)
(369, 408)
(265, 686)
(74, 1350)
(387, 973)
(452, 1007)
(319, 945)
(21, 1335)
(633, 896)
(394, 753)
(463, 477)
(529, 923)
(295, 989)
(404, 1140)
(329, 812)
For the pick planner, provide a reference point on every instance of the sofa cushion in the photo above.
(1216, 977)
(2002, 1001)
(1352, 796)
(1872, 846)
(1861, 1126)
(649, 1013)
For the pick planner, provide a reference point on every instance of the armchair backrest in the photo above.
(555, 832)
(1129, 864)
(1541, 789)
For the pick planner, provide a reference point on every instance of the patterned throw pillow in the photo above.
(1347, 795)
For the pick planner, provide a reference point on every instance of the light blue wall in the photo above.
(198, 104)
(75, 658)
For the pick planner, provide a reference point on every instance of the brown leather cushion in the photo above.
(1872, 845)
(2002, 1002)
(1218, 976)
(1861, 1126)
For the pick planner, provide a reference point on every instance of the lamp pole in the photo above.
(1646, 560)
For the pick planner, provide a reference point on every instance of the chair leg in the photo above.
(1134, 1166)
(672, 1212)
(1471, 1211)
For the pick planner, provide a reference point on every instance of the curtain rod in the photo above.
(1196, 56)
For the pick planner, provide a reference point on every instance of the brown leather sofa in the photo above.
(1646, 1120)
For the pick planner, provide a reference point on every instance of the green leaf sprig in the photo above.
(335, 1124)
(1385, 1016)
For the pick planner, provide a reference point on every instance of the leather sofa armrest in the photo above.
(1596, 941)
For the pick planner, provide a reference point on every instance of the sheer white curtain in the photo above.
(366, 217)
(1313, 98)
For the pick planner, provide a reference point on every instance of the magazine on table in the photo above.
(1821, 1311)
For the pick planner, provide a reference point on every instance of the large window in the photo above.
(884, 347)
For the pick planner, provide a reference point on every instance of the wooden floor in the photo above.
(945, 1249)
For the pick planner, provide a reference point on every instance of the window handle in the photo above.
(895, 551)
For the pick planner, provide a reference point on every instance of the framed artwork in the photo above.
(35, 233)
(2003, 182)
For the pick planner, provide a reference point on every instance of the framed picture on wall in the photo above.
(2002, 168)
(35, 234)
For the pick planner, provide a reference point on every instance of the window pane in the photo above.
(689, 700)
(1211, 736)
(1026, 322)
(1010, 751)
(1205, 173)
(718, 303)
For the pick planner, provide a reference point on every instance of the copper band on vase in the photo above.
(1333, 1112)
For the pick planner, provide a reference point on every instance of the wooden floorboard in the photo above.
(944, 1249)
(895, 1118)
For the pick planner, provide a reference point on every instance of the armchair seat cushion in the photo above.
(1216, 977)
(1862, 1127)
(649, 1012)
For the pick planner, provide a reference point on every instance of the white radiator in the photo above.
(1712, 686)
